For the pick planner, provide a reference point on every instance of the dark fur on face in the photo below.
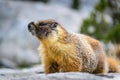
(42, 29)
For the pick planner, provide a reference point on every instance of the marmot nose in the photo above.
(31, 26)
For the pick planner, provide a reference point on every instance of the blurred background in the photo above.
(97, 18)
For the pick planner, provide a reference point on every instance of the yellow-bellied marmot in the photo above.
(62, 51)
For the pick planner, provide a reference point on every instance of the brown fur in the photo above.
(63, 51)
(117, 51)
(113, 65)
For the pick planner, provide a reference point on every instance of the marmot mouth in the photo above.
(42, 33)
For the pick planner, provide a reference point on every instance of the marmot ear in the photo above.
(54, 24)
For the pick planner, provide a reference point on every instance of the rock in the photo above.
(36, 73)
(59, 76)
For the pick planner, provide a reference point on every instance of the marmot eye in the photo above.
(42, 24)
(54, 25)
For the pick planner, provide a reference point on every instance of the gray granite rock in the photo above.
(59, 76)
(36, 73)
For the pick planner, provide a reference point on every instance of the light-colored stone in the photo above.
(36, 73)
(59, 76)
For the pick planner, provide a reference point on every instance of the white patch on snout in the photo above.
(33, 32)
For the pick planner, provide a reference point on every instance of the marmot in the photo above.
(62, 51)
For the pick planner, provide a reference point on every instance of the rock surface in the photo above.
(58, 76)
(36, 73)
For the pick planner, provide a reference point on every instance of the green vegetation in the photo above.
(97, 25)
(114, 34)
(44, 1)
(75, 4)
(96, 29)
(24, 65)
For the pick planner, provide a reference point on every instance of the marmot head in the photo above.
(45, 29)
